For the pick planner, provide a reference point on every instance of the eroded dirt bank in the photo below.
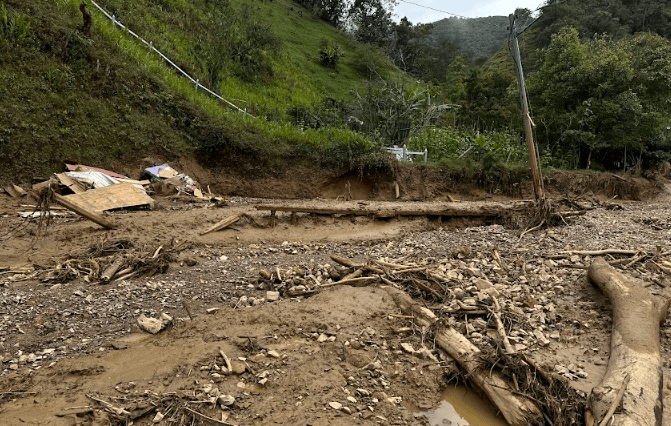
(344, 355)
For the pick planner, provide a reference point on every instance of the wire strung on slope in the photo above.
(151, 46)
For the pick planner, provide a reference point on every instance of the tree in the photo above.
(370, 21)
(409, 45)
(333, 12)
(601, 96)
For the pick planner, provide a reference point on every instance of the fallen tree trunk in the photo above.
(515, 408)
(634, 375)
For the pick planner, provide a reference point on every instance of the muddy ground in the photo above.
(343, 355)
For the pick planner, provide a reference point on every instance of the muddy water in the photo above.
(461, 406)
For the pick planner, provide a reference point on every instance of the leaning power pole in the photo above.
(531, 147)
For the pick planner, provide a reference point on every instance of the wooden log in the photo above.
(361, 281)
(222, 224)
(111, 270)
(634, 351)
(423, 317)
(90, 215)
(516, 409)
(350, 264)
(386, 210)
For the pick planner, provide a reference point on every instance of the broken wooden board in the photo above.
(74, 185)
(84, 211)
(222, 224)
(392, 209)
(14, 191)
(119, 196)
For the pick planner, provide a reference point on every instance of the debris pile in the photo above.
(109, 261)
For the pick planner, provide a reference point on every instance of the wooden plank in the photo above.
(222, 224)
(74, 185)
(14, 191)
(118, 196)
(83, 211)
(135, 182)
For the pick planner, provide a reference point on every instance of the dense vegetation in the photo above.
(329, 83)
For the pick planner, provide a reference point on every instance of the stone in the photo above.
(154, 325)
(346, 410)
(351, 399)
(363, 392)
(394, 399)
(158, 417)
(408, 348)
(335, 405)
(226, 400)
(273, 354)
(272, 296)
(322, 338)
(238, 367)
(492, 291)
(212, 310)
(482, 284)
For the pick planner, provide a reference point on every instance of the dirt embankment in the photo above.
(415, 183)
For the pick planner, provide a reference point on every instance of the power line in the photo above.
(437, 10)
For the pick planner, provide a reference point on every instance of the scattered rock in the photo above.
(154, 325)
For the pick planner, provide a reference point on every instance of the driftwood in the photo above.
(515, 408)
(112, 269)
(634, 354)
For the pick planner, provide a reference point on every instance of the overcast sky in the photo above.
(469, 9)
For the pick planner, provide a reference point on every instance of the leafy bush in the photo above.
(329, 55)
(451, 143)
(12, 28)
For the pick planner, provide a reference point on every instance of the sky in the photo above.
(469, 9)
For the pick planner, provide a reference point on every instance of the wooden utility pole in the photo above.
(531, 147)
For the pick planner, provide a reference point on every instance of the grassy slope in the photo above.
(106, 99)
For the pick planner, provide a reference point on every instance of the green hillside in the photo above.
(480, 37)
(106, 98)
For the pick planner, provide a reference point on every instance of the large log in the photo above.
(634, 375)
(393, 209)
(515, 408)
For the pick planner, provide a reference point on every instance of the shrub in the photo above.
(329, 55)
(12, 28)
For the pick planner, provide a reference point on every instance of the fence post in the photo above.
(426, 155)
(405, 154)
(197, 84)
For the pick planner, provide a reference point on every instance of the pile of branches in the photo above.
(177, 408)
(110, 260)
